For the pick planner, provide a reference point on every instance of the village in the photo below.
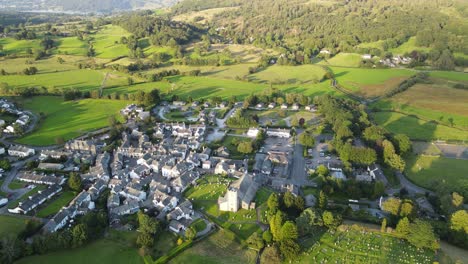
(151, 171)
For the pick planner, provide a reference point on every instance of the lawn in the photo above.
(15, 185)
(417, 129)
(199, 225)
(53, 207)
(220, 247)
(370, 82)
(68, 119)
(289, 74)
(262, 195)
(356, 246)
(117, 248)
(165, 241)
(343, 60)
(431, 172)
(438, 102)
(10, 225)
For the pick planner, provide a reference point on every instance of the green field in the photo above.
(343, 60)
(450, 75)
(356, 246)
(105, 39)
(19, 47)
(68, 119)
(289, 74)
(220, 247)
(10, 225)
(408, 47)
(370, 82)
(71, 46)
(57, 204)
(417, 129)
(431, 172)
(117, 248)
(439, 102)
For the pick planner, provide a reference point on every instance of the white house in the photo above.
(253, 132)
(366, 57)
(20, 151)
(282, 133)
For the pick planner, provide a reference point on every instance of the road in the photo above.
(411, 187)
(298, 171)
(221, 123)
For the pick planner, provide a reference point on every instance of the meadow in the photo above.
(417, 129)
(356, 245)
(432, 172)
(343, 60)
(13, 46)
(106, 42)
(68, 119)
(289, 74)
(116, 248)
(71, 46)
(438, 102)
(370, 82)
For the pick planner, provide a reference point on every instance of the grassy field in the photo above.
(370, 82)
(356, 246)
(437, 102)
(10, 225)
(19, 47)
(450, 75)
(57, 204)
(431, 172)
(68, 119)
(104, 42)
(343, 60)
(408, 47)
(207, 87)
(220, 247)
(117, 248)
(416, 128)
(289, 74)
(71, 46)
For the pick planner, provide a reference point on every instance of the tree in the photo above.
(323, 200)
(74, 182)
(289, 231)
(276, 222)
(145, 240)
(328, 220)
(288, 199)
(445, 61)
(267, 236)
(422, 235)
(459, 221)
(457, 199)
(273, 203)
(9, 249)
(245, 147)
(406, 208)
(289, 249)
(383, 227)
(5, 164)
(392, 205)
(307, 140)
(403, 143)
(256, 241)
(270, 255)
(379, 189)
(307, 220)
(403, 227)
(322, 170)
(147, 224)
(80, 235)
(190, 233)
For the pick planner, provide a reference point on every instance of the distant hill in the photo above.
(83, 6)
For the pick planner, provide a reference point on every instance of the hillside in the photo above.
(83, 6)
(302, 27)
